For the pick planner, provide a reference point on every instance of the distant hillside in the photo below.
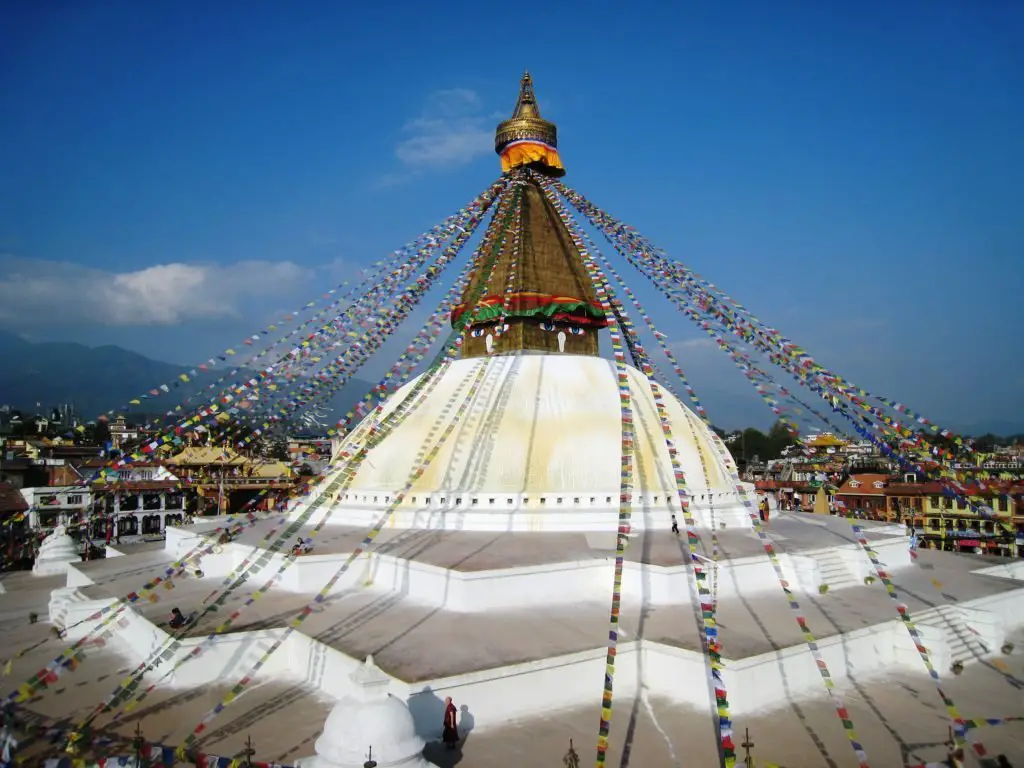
(97, 379)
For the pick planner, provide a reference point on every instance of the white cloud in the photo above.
(453, 129)
(36, 292)
(691, 345)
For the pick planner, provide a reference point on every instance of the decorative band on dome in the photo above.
(530, 304)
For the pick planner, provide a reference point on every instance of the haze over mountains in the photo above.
(98, 379)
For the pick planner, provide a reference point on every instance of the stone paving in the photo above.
(477, 551)
(900, 721)
(664, 735)
(899, 717)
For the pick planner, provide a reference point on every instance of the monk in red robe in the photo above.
(451, 731)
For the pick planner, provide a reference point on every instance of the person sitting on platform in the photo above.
(177, 618)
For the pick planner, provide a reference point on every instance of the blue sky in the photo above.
(173, 175)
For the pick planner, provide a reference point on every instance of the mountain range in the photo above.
(95, 380)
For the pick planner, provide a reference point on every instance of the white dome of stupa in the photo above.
(56, 551)
(539, 447)
(369, 720)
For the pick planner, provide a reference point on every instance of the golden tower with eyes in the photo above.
(538, 297)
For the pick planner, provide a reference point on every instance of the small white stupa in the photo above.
(55, 552)
(368, 719)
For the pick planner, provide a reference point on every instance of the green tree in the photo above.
(779, 439)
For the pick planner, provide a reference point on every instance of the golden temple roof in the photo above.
(208, 455)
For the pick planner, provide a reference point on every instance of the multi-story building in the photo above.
(224, 481)
(863, 494)
(50, 506)
(947, 521)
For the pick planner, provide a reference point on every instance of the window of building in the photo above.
(510, 502)
(490, 501)
(75, 499)
(1003, 506)
(961, 503)
(475, 501)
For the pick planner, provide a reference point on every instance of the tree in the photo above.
(98, 433)
(986, 443)
(751, 443)
(779, 438)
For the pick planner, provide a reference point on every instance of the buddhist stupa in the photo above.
(541, 446)
(480, 547)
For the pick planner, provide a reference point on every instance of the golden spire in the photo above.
(526, 138)
(526, 106)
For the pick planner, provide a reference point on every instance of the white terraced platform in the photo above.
(514, 624)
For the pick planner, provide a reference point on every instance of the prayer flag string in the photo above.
(374, 434)
(706, 622)
(211, 412)
(616, 234)
(375, 270)
(625, 496)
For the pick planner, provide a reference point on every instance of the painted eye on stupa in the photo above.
(476, 333)
(500, 329)
(547, 325)
(576, 330)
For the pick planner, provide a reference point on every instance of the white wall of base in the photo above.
(496, 696)
(551, 517)
(1011, 570)
(768, 680)
(556, 583)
